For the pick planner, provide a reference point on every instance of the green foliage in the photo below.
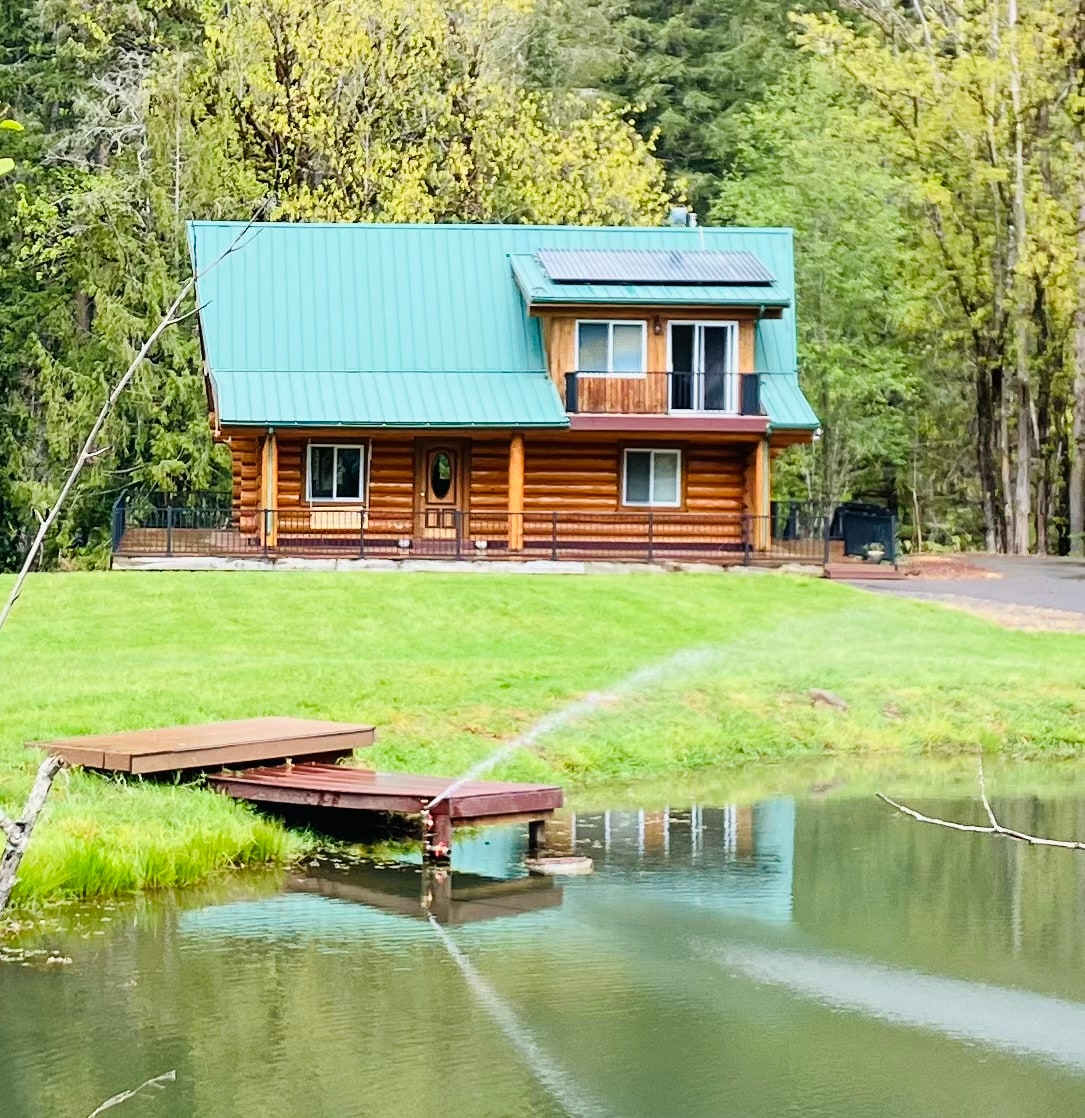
(692, 66)
(973, 112)
(7, 164)
(811, 157)
(415, 112)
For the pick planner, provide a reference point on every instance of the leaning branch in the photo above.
(157, 1083)
(90, 451)
(18, 832)
(994, 827)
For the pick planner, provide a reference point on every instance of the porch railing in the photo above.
(662, 393)
(642, 536)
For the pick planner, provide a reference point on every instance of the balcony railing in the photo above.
(642, 536)
(656, 393)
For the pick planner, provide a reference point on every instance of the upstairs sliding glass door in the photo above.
(703, 366)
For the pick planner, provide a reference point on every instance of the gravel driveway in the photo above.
(1030, 592)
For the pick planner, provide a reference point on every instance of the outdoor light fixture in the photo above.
(481, 545)
(404, 544)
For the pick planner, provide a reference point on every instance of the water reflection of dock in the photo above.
(451, 898)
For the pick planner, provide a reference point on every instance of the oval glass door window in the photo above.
(440, 476)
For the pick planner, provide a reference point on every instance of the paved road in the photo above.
(1037, 581)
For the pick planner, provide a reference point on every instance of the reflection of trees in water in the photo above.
(869, 881)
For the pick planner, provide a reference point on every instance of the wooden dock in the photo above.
(288, 761)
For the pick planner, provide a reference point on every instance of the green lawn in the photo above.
(448, 666)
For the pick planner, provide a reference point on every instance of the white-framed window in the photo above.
(652, 478)
(336, 472)
(618, 348)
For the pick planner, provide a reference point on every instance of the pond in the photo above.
(805, 954)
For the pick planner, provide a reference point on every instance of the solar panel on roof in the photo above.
(703, 268)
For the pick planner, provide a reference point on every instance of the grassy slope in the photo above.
(449, 665)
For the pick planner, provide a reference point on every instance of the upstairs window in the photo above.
(336, 473)
(652, 478)
(611, 348)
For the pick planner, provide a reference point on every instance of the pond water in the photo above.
(803, 955)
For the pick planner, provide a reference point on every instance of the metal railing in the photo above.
(662, 393)
(649, 536)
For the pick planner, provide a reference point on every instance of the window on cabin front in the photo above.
(611, 348)
(652, 478)
(336, 473)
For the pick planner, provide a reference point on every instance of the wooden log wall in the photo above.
(245, 451)
(562, 474)
(489, 472)
(585, 477)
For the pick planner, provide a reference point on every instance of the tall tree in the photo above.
(416, 111)
(811, 157)
(969, 96)
(690, 67)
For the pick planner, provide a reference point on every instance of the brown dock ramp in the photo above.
(212, 745)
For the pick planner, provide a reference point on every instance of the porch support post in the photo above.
(516, 492)
(269, 498)
(759, 495)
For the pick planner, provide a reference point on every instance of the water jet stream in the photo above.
(589, 704)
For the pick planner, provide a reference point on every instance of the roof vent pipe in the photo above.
(682, 216)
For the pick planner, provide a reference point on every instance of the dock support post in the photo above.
(536, 836)
(436, 897)
(437, 834)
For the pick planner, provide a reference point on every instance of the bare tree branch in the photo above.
(18, 832)
(88, 452)
(995, 828)
(158, 1083)
(983, 796)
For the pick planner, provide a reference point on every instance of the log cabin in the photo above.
(513, 391)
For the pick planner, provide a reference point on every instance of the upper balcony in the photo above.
(665, 401)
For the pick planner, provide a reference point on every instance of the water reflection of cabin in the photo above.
(498, 390)
(739, 858)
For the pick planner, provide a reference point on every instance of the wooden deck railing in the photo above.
(642, 536)
(661, 393)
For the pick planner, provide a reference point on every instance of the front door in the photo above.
(440, 486)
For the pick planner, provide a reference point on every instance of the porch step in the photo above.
(855, 572)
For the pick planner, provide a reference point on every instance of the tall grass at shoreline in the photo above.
(449, 666)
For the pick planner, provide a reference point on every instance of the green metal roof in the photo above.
(784, 403)
(419, 325)
(540, 290)
(403, 399)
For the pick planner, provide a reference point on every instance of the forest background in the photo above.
(930, 155)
